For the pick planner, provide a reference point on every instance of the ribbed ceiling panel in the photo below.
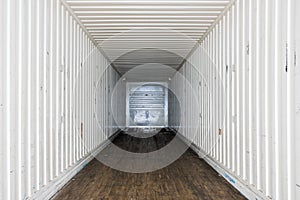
(121, 27)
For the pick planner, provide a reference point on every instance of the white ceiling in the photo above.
(135, 32)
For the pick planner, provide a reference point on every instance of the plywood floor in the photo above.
(187, 178)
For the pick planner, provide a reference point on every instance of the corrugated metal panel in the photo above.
(132, 26)
(46, 101)
(245, 77)
(297, 100)
(146, 104)
(126, 15)
(253, 50)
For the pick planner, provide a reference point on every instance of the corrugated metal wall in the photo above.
(253, 49)
(47, 77)
(50, 113)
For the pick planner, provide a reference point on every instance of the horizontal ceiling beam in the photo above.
(110, 48)
(144, 40)
(124, 38)
(145, 28)
(99, 21)
(173, 16)
(132, 39)
(99, 26)
(148, 32)
(147, 2)
(149, 36)
(154, 12)
(147, 8)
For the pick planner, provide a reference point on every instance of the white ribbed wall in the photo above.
(47, 103)
(47, 97)
(254, 49)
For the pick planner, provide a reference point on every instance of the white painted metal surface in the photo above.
(245, 74)
(253, 50)
(104, 16)
(295, 164)
(122, 26)
(48, 69)
(146, 104)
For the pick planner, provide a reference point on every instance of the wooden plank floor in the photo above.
(187, 178)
